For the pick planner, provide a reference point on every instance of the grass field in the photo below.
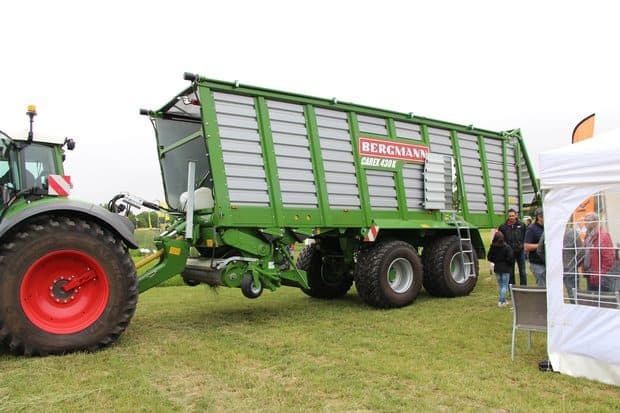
(195, 349)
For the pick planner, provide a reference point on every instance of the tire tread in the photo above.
(52, 224)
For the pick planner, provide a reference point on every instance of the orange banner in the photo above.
(584, 130)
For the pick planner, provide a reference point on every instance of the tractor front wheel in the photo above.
(66, 284)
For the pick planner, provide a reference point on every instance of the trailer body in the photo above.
(270, 168)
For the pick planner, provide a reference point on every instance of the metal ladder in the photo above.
(464, 249)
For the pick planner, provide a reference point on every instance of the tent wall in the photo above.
(583, 341)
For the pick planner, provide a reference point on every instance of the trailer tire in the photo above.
(389, 274)
(321, 285)
(444, 275)
(37, 316)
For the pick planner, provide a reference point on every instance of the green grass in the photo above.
(193, 349)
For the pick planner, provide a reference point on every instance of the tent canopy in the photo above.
(593, 161)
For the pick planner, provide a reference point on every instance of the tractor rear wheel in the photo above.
(66, 284)
(327, 278)
(444, 272)
(389, 274)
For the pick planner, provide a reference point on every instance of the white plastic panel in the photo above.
(438, 182)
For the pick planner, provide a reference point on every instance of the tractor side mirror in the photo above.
(70, 143)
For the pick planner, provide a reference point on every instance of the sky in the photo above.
(90, 66)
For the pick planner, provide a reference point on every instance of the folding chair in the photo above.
(530, 312)
(594, 299)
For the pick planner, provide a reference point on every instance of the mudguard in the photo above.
(119, 224)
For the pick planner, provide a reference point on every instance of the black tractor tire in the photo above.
(325, 285)
(37, 316)
(249, 289)
(389, 275)
(444, 275)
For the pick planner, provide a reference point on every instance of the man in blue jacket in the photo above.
(532, 239)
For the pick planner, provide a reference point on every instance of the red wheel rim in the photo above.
(52, 309)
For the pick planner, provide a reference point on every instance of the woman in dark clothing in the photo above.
(502, 256)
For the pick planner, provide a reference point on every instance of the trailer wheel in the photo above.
(37, 315)
(444, 274)
(327, 280)
(389, 274)
(249, 289)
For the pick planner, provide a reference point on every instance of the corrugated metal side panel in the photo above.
(241, 150)
(371, 124)
(440, 141)
(527, 186)
(293, 158)
(338, 163)
(441, 144)
(472, 173)
(408, 130)
(382, 190)
(495, 166)
(513, 177)
(413, 179)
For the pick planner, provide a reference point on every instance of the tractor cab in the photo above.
(25, 165)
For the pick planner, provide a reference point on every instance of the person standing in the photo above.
(572, 258)
(532, 237)
(600, 254)
(502, 256)
(513, 231)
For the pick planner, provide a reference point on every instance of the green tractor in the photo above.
(67, 282)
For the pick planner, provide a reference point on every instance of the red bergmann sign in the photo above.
(392, 150)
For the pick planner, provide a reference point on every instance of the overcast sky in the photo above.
(90, 66)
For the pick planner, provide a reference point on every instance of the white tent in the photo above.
(583, 341)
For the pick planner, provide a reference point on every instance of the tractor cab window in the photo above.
(4, 161)
(38, 164)
(6, 177)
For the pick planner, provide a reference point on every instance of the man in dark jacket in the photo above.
(514, 234)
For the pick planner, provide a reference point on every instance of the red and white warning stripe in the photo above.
(373, 231)
(59, 185)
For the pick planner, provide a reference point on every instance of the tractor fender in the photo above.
(118, 223)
